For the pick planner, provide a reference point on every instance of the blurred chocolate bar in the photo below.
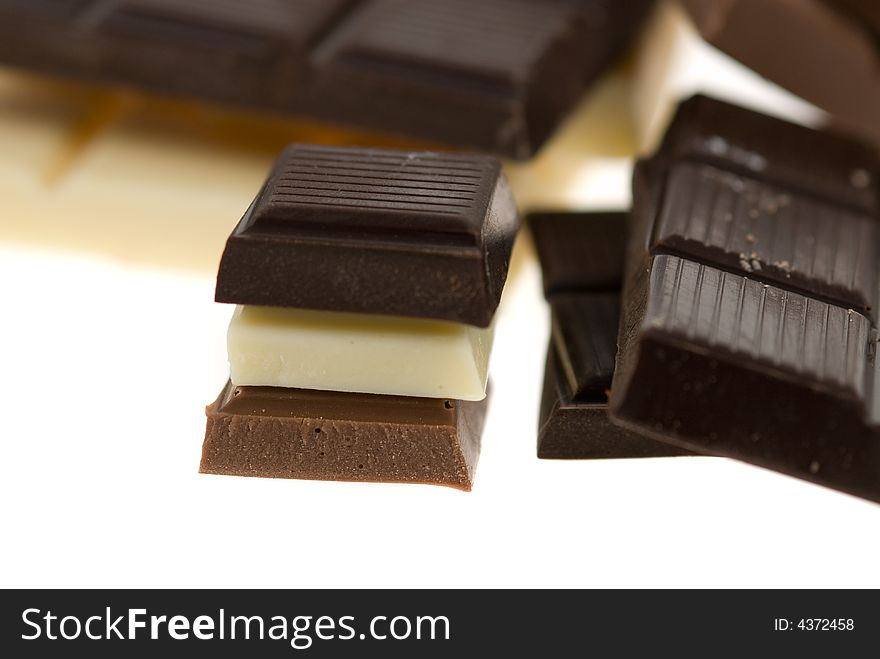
(821, 50)
(496, 74)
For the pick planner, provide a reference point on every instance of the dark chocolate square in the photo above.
(417, 234)
(416, 197)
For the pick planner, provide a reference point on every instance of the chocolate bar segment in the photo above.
(773, 232)
(581, 257)
(415, 234)
(829, 60)
(579, 251)
(223, 49)
(506, 70)
(738, 141)
(584, 330)
(574, 421)
(278, 432)
(497, 75)
(219, 49)
(581, 430)
(768, 357)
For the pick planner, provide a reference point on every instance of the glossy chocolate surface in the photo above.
(748, 319)
(581, 257)
(417, 234)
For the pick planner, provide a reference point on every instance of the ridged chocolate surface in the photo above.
(496, 74)
(804, 338)
(579, 250)
(278, 432)
(418, 194)
(495, 43)
(401, 233)
(773, 232)
(747, 326)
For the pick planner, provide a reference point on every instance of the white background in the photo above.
(110, 350)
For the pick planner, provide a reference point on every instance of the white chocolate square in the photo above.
(364, 353)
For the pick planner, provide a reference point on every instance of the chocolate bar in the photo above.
(830, 61)
(278, 432)
(749, 317)
(497, 74)
(414, 234)
(574, 421)
(581, 258)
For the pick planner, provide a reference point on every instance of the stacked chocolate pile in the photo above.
(746, 322)
(367, 283)
(748, 317)
(729, 307)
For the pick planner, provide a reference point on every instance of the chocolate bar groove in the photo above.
(498, 75)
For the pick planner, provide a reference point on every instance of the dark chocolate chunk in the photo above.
(767, 355)
(579, 251)
(845, 174)
(495, 74)
(784, 237)
(581, 257)
(277, 432)
(415, 234)
(829, 60)
(226, 50)
(584, 330)
(574, 419)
